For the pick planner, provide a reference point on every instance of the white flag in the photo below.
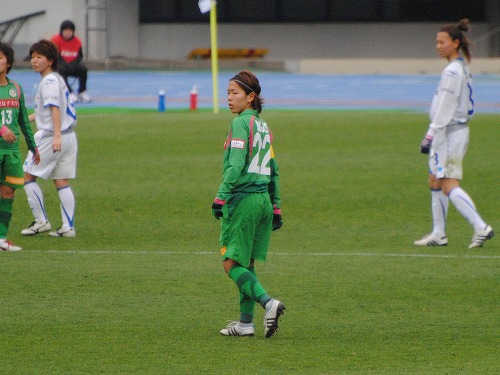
(205, 5)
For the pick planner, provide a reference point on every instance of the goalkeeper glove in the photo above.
(217, 208)
(277, 219)
(425, 146)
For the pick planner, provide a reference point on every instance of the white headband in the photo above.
(248, 87)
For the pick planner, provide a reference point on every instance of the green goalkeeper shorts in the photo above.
(246, 228)
(11, 166)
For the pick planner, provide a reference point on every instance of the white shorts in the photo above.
(53, 165)
(448, 150)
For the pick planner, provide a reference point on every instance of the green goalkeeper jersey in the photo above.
(13, 114)
(249, 165)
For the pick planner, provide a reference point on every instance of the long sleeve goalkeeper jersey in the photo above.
(249, 165)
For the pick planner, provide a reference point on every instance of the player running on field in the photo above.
(448, 137)
(14, 119)
(248, 202)
(55, 119)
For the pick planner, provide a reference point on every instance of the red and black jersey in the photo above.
(69, 50)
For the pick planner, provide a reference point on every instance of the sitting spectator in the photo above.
(70, 60)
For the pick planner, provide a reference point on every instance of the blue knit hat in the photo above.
(67, 25)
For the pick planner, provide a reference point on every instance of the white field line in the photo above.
(377, 255)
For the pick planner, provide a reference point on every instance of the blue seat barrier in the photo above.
(280, 90)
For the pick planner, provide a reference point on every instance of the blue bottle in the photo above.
(161, 101)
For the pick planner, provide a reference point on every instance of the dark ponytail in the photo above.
(456, 32)
(250, 83)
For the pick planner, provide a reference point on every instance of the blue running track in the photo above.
(139, 89)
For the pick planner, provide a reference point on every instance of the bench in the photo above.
(228, 53)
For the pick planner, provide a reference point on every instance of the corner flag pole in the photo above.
(214, 55)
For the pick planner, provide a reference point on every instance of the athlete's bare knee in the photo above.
(434, 183)
(449, 184)
(29, 177)
(228, 264)
(59, 184)
(6, 192)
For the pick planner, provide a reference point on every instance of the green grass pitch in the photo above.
(141, 289)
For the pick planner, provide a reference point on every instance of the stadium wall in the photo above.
(300, 41)
(301, 47)
(385, 66)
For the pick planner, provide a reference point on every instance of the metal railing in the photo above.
(17, 23)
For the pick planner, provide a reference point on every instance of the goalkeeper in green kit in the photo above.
(14, 119)
(248, 202)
